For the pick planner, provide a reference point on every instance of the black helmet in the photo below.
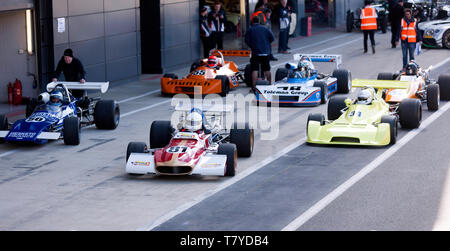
(411, 68)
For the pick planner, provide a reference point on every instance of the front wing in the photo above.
(210, 164)
(332, 133)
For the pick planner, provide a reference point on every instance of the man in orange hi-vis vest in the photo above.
(369, 24)
(410, 35)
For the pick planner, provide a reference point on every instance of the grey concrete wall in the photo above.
(104, 35)
(15, 64)
(180, 35)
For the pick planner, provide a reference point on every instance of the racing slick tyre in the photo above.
(231, 152)
(170, 75)
(385, 76)
(444, 86)
(30, 107)
(3, 126)
(106, 114)
(446, 39)
(225, 85)
(323, 91)
(344, 80)
(135, 147)
(243, 137)
(433, 97)
(349, 21)
(410, 113)
(71, 131)
(335, 105)
(393, 127)
(281, 73)
(248, 75)
(160, 134)
(315, 117)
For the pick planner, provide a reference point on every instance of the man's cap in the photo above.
(68, 52)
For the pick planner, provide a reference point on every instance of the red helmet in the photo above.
(212, 61)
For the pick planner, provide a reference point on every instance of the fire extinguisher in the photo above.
(17, 92)
(10, 93)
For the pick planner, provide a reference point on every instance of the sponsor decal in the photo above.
(188, 83)
(21, 135)
(236, 53)
(184, 135)
(285, 92)
(211, 165)
(141, 163)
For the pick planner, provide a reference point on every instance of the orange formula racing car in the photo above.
(212, 75)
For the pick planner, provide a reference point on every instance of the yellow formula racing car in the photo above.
(365, 120)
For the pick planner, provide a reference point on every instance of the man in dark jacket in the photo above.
(73, 71)
(205, 32)
(217, 20)
(396, 15)
(259, 38)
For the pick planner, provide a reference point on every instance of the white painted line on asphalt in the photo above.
(7, 153)
(442, 222)
(224, 185)
(137, 97)
(324, 202)
(441, 63)
(145, 108)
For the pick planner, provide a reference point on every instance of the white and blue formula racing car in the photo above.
(300, 84)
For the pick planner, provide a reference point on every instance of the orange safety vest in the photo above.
(409, 31)
(369, 19)
(257, 14)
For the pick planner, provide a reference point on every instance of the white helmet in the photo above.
(364, 97)
(193, 122)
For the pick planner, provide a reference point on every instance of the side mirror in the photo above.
(348, 102)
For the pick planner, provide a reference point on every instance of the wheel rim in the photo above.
(251, 140)
(447, 40)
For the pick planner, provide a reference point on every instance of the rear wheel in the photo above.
(231, 152)
(225, 85)
(71, 131)
(160, 134)
(170, 75)
(444, 86)
(410, 113)
(433, 97)
(323, 91)
(248, 75)
(106, 114)
(393, 127)
(3, 126)
(344, 80)
(281, 73)
(335, 105)
(243, 138)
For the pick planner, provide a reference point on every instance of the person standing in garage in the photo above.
(73, 71)
(205, 32)
(284, 27)
(217, 20)
(369, 24)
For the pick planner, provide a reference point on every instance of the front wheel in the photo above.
(3, 126)
(160, 134)
(231, 152)
(393, 127)
(446, 39)
(71, 131)
(410, 113)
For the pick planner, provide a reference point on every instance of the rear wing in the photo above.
(324, 58)
(101, 86)
(381, 84)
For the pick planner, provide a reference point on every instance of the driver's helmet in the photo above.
(212, 61)
(411, 68)
(193, 122)
(56, 98)
(364, 97)
(304, 68)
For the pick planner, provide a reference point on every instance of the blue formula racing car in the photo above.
(300, 84)
(58, 114)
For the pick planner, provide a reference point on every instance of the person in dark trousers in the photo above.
(73, 71)
(369, 24)
(217, 21)
(396, 14)
(205, 32)
(259, 38)
(284, 27)
(264, 13)
(410, 35)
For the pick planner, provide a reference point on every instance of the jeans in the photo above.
(408, 47)
(282, 44)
